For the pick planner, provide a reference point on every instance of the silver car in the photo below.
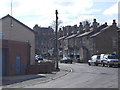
(110, 60)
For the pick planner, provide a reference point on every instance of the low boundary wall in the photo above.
(41, 68)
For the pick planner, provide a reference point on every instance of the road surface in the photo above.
(84, 76)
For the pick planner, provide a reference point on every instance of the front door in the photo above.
(18, 65)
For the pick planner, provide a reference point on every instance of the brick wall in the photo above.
(12, 50)
(41, 68)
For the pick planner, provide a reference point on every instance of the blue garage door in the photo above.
(18, 65)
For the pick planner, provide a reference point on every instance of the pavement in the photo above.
(28, 80)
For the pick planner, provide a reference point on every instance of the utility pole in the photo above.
(11, 15)
(56, 44)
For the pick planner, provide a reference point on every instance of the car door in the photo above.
(105, 59)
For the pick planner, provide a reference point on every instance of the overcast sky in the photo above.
(71, 12)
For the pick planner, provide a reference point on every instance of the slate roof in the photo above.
(101, 31)
(84, 34)
(71, 36)
(95, 34)
(63, 37)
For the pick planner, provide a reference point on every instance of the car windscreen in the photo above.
(98, 57)
(112, 57)
(66, 58)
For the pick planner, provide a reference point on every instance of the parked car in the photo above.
(110, 60)
(66, 60)
(38, 58)
(95, 60)
(102, 59)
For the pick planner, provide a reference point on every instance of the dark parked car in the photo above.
(38, 58)
(66, 60)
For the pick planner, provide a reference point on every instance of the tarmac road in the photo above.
(84, 76)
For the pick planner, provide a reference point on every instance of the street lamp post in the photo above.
(56, 46)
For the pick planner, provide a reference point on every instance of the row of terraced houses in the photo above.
(19, 43)
(83, 41)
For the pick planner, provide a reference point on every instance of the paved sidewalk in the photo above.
(29, 80)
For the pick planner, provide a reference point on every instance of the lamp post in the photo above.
(56, 44)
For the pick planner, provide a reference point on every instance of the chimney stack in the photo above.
(114, 23)
(60, 32)
(64, 31)
(67, 30)
(75, 29)
(105, 23)
(80, 28)
(95, 24)
(87, 26)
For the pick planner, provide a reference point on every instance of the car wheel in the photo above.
(96, 64)
(109, 65)
(89, 64)
(118, 65)
(103, 64)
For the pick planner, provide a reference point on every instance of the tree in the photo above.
(53, 24)
(86, 22)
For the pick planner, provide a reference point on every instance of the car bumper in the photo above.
(114, 63)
